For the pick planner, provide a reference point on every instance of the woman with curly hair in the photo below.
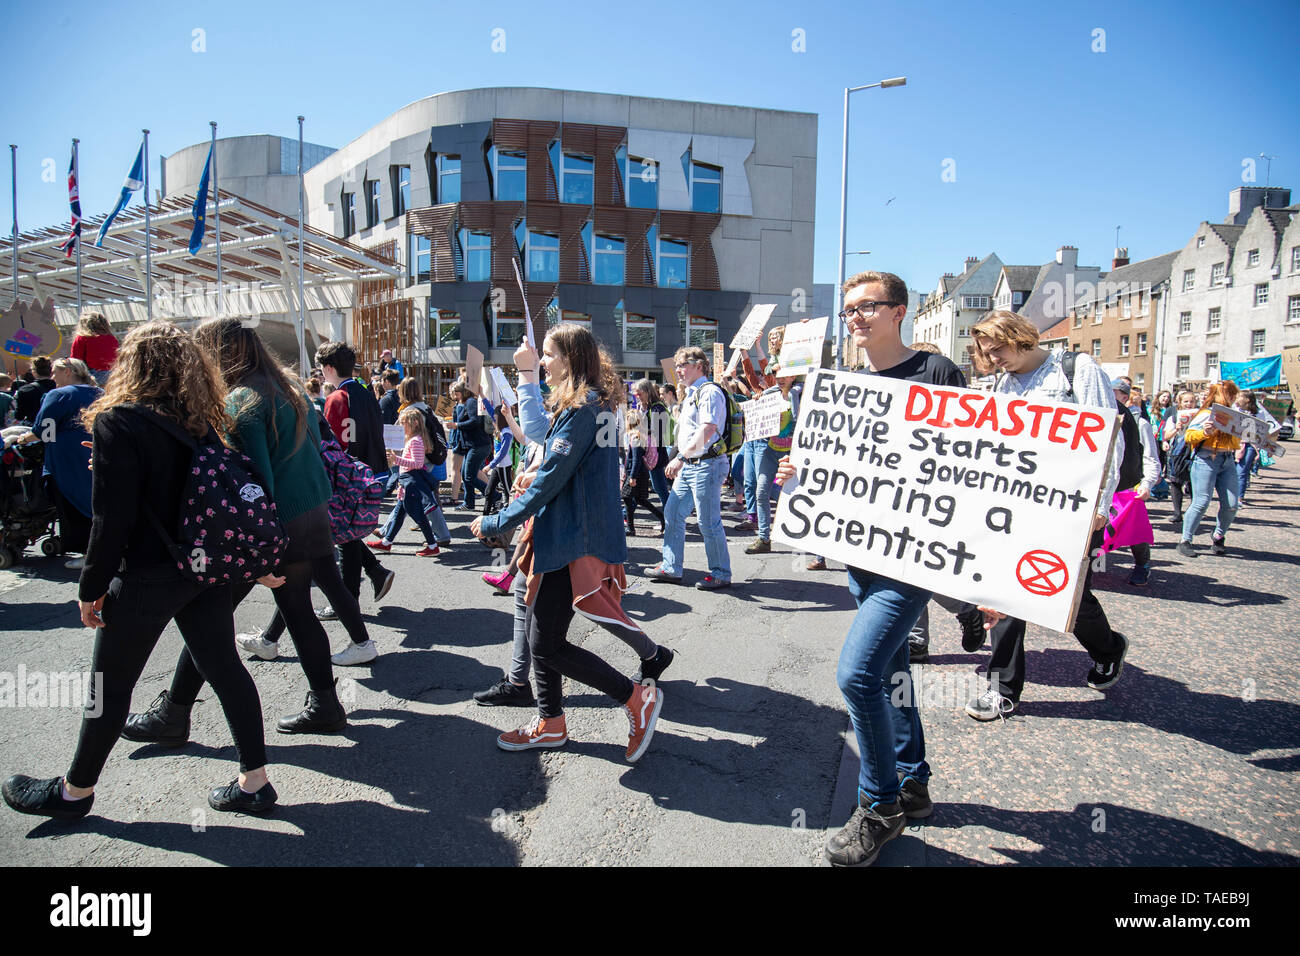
(575, 549)
(130, 588)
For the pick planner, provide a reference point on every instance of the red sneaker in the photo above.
(379, 545)
(427, 552)
(642, 714)
(547, 732)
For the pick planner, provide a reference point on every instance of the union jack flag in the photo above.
(69, 245)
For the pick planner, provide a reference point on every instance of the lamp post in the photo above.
(844, 197)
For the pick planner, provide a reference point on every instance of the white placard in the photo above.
(752, 327)
(394, 437)
(763, 415)
(801, 348)
(981, 497)
(502, 387)
(1242, 424)
(735, 361)
(528, 318)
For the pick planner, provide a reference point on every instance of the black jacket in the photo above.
(368, 443)
(27, 400)
(389, 405)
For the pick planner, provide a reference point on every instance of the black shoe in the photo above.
(1217, 545)
(1186, 550)
(918, 653)
(163, 723)
(914, 798)
(232, 799)
(327, 613)
(384, 585)
(1101, 676)
(1176, 520)
(43, 798)
(1141, 576)
(651, 669)
(504, 693)
(317, 717)
(870, 828)
(972, 630)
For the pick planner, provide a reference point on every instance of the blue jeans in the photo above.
(697, 486)
(397, 518)
(475, 459)
(658, 480)
(393, 474)
(737, 471)
(764, 485)
(752, 453)
(1248, 461)
(875, 677)
(1211, 472)
(419, 491)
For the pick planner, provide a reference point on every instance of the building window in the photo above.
(1200, 242)
(1078, 320)
(1293, 309)
(1142, 343)
(1144, 304)
(543, 256)
(444, 328)
(449, 179)
(1257, 342)
(701, 332)
(1216, 274)
(1214, 319)
(1018, 298)
(705, 184)
(477, 246)
(608, 259)
(577, 318)
(641, 183)
(974, 302)
(1184, 323)
(638, 333)
(1127, 307)
(349, 202)
(372, 203)
(1078, 346)
(1252, 257)
(509, 174)
(401, 186)
(1295, 258)
(1261, 294)
(1096, 348)
(1123, 345)
(1184, 366)
(1097, 316)
(579, 179)
(509, 329)
(674, 264)
(1189, 280)
(1211, 364)
(419, 261)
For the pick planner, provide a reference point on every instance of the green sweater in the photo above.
(295, 476)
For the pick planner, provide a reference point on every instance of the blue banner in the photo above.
(201, 208)
(1261, 373)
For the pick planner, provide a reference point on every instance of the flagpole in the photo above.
(76, 172)
(13, 174)
(148, 236)
(302, 302)
(216, 192)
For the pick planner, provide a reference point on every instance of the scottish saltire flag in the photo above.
(134, 180)
(69, 245)
(201, 208)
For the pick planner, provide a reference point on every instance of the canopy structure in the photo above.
(259, 266)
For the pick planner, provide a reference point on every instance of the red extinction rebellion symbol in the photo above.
(1042, 572)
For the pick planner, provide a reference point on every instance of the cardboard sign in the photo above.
(801, 348)
(501, 386)
(1246, 427)
(752, 327)
(719, 360)
(473, 369)
(980, 497)
(670, 373)
(763, 415)
(1291, 369)
(445, 407)
(394, 437)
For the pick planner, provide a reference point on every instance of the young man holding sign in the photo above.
(893, 776)
(1008, 343)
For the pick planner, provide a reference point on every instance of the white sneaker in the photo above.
(258, 645)
(356, 654)
(76, 564)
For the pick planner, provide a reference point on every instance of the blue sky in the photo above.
(1052, 143)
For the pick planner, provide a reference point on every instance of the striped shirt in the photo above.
(412, 456)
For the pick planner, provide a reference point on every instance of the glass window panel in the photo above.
(607, 268)
(674, 270)
(512, 179)
(642, 184)
(478, 255)
(509, 330)
(543, 257)
(579, 179)
(448, 179)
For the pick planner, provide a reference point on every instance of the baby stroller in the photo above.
(27, 512)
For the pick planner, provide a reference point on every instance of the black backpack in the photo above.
(1130, 467)
(1178, 463)
(227, 531)
(436, 452)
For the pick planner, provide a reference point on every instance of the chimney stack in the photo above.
(1121, 258)
(970, 264)
(1068, 256)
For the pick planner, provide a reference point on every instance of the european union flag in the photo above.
(201, 208)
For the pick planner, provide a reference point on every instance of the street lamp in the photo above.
(844, 196)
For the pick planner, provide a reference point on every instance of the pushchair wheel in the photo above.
(51, 546)
(7, 558)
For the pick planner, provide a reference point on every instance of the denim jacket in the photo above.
(574, 496)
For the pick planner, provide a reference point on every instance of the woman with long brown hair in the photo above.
(130, 588)
(270, 423)
(95, 345)
(575, 554)
(1214, 468)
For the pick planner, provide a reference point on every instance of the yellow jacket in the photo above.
(1214, 441)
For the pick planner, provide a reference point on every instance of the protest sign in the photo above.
(763, 416)
(473, 369)
(801, 348)
(394, 437)
(670, 373)
(528, 318)
(446, 407)
(1291, 369)
(1245, 426)
(752, 327)
(735, 360)
(719, 361)
(981, 497)
(486, 388)
(502, 387)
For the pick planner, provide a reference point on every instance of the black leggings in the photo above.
(293, 598)
(325, 575)
(640, 496)
(554, 657)
(353, 558)
(138, 607)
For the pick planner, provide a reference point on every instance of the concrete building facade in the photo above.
(957, 303)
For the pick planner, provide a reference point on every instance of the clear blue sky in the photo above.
(1053, 143)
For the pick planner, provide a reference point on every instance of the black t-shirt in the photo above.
(927, 368)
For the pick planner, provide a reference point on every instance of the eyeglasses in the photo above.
(685, 364)
(864, 309)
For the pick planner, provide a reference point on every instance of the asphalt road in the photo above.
(1191, 758)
